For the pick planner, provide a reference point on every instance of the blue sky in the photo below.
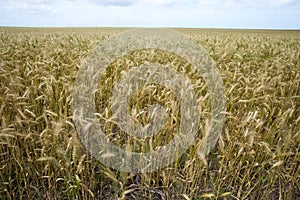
(274, 14)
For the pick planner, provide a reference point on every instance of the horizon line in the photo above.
(171, 27)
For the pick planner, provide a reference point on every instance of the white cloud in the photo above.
(30, 6)
(127, 3)
(216, 3)
(47, 5)
(162, 2)
(261, 4)
(121, 3)
(268, 3)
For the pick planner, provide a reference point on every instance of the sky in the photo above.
(258, 14)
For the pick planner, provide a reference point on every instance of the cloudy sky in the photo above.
(278, 14)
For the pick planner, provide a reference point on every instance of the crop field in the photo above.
(257, 155)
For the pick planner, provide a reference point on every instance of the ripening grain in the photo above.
(257, 156)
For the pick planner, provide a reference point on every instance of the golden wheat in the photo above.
(258, 152)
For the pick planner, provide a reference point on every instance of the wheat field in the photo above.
(256, 157)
